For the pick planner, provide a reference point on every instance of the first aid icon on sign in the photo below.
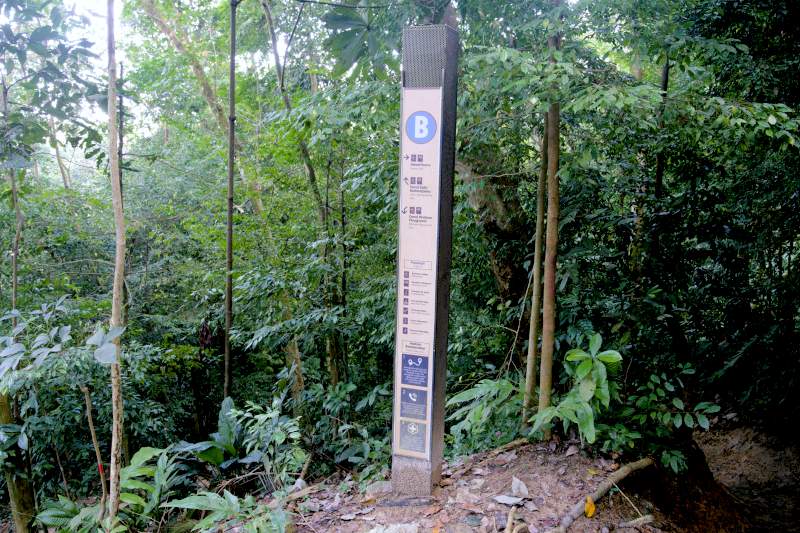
(420, 127)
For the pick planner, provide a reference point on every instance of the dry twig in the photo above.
(578, 509)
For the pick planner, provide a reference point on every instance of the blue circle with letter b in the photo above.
(420, 127)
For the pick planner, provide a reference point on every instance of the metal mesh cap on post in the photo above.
(426, 50)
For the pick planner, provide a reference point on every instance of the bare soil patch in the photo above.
(556, 477)
(762, 472)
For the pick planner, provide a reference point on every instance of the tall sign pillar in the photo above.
(427, 157)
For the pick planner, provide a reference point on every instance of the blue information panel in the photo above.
(418, 214)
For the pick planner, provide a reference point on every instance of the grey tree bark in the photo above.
(119, 270)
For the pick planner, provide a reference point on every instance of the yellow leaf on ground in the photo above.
(589, 508)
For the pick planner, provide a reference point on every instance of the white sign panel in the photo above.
(420, 152)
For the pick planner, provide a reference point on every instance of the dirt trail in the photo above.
(762, 472)
(555, 479)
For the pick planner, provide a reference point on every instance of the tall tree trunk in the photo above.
(119, 271)
(62, 168)
(329, 289)
(229, 222)
(551, 254)
(503, 220)
(209, 95)
(20, 490)
(659, 181)
(332, 348)
(87, 399)
(343, 288)
(311, 174)
(536, 298)
(293, 360)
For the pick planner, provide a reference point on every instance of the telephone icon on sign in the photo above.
(412, 396)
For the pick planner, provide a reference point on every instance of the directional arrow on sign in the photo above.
(405, 210)
(406, 156)
(406, 180)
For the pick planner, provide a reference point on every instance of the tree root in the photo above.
(578, 509)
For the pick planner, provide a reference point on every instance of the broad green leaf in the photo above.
(207, 501)
(594, 343)
(585, 416)
(106, 354)
(576, 354)
(586, 389)
(133, 499)
(610, 356)
(343, 19)
(144, 454)
(584, 368)
(113, 333)
(97, 337)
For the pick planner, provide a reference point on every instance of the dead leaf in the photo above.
(465, 496)
(504, 458)
(562, 470)
(518, 488)
(446, 482)
(348, 517)
(476, 483)
(479, 471)
(530, 506)
(433, 509)
(507, 500)
(572, 450)
(589, 507)
(471, 507)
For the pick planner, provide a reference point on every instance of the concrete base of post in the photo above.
(414, 477)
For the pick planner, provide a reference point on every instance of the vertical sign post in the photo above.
(427, 157)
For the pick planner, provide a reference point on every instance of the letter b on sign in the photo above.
(420, 127)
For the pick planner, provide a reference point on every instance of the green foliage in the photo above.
(486, 415)
(225, 447)
(355, 438)
(151, 478)
(657, 411)
(701, 271)
(271, 438)
(591, 393)
(228, 511)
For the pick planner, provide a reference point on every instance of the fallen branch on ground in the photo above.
(578, 509)
(638, 522)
